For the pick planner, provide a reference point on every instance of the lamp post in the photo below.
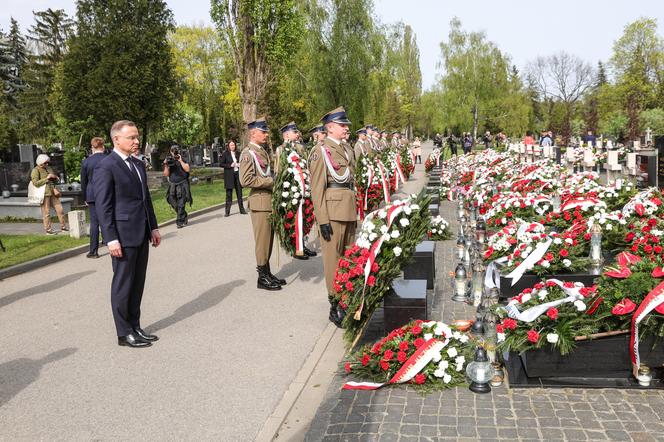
(480, 372)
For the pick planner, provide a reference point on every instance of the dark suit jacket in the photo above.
(125, 212)
(229, 175)
(87, 175)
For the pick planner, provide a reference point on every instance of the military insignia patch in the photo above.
(245, 158)
(314, 156)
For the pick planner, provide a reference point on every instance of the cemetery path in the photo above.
(226, 355)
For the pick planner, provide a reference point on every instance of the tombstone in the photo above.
(197, 155)
(77, 228)
(407, 300)
(423, 265)
(28, 153)
(57, 163)
(612, 166)
(588, 158)
(434, 209)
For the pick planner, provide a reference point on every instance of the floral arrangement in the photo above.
(369, 192)
(292, 208)
(439, 230)
(392, 359)
(384, 243)
(432, 160)
(550, 313)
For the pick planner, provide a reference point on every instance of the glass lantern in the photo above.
(468, 245)
(477, 284)
(460, 248)
(460, 210)
(460, 283)
(596, 259)
(480, 372)
(555, 202)
(480, 230)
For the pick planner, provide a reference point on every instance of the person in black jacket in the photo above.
(230, 161)
(87, 186)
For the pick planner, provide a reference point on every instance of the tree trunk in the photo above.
(144, 138)
(633, 118)
(566, 130)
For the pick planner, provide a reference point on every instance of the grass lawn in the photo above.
(23, 248)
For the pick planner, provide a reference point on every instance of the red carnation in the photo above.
(371, 280)
(375, 267)
(416, 330)
(647, 248)
(509, 323)
(287, 226)
(420, 378)
(500, 328)
(365, 360)
(552, 313)
(657, 249)
(418, 342)
(384, 365)
(549, 256)
(289, 215)
(388, 355)
(629, 237)
(508, 214)
(533, 336)
(568, 284)
(564, 253)
(403, 345)
(402, 357)
(347, 367)
(349, 286)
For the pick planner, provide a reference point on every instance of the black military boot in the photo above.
(228, 207)
(279, 281)
(264, 280)
(309, 252)
(334, 309)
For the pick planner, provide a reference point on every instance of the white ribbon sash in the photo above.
(528, 263)
(535, 312)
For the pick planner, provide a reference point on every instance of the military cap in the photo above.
(317, 128)
(289, 126)
(259, 124)
(337, 115)
(361, 131)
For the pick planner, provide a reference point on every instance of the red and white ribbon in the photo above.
(400, 174)
(583, 203)
(299, 225)
(408, 370)
(383, 178)
(654, 299)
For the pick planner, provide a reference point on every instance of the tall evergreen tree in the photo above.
(119, 66)
(17, 52)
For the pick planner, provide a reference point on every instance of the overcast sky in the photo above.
(523, 29)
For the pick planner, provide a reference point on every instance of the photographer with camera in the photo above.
(179, 193)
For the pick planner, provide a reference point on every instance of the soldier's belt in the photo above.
(341, 186)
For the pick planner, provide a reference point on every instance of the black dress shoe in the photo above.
(302, 257)
(92, 255)
(334, 318)
(242, 211)
(309, 252)
(227, 215)
(133, 340)
(146, 337)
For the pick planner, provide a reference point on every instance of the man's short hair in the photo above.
(119, 125)
(97, 143)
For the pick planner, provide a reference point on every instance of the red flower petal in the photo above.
(624, 307)
(619, 274)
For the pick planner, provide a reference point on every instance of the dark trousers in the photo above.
(238, 193)
(94, 229)
(127, 287)
(181, 212)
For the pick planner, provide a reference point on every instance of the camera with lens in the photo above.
(174, 157)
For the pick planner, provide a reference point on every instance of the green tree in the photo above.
(49, 36)
(120, 65)
(261, 35)
(184, 126)
(638, 67)
(16, 54)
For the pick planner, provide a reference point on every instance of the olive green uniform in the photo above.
(260, 199)
(333, 205)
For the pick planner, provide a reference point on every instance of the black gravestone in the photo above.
(423, 265)
(406, 300)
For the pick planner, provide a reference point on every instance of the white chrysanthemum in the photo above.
(285, 194)
(542, 294)
(395, 234)
(286, 184)
(384, 229)
(294, 201)
(439, 373)
(567, 262)
(552, 338)
(580, 305)
(443, 365)
(404, 222)
(373, 236)
(427, 336)
(436, 357)
(447, 378)
(283, 204)
(500, 337)
(525, 298)
(397, 251)
(452, 352)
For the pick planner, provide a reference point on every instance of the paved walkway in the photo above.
(25, 228)
(401, 414)
(227, 352)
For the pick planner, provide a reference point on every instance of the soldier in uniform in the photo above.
(291, 134)
(317, 134)
(383, 140)
(396, 139)
(362, 146)
(372, 137)
(331, 165)
(255, 174)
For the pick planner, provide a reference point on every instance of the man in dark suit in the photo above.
(87, 186)
(128, 223)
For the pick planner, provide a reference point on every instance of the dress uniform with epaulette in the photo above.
(331, 164)
(362, 146)
(255, 174)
